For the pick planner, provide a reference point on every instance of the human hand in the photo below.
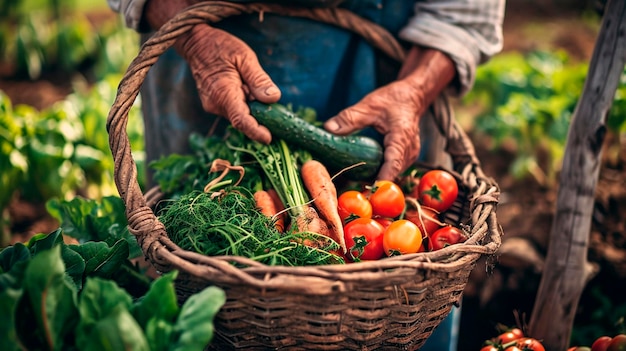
(228, 74)
(395, 110)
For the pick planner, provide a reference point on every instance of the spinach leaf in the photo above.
(105, 320)
(194, 326)
(8, 332)
(52, 298)
(91, 220)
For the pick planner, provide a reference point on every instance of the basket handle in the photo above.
(142, 221)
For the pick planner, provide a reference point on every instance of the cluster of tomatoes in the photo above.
(513, 340)
(604, 343)
(385, 220)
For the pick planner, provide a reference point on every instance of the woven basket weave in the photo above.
(393, 303)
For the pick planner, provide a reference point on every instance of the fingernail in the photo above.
(271, 91)
(332, 126)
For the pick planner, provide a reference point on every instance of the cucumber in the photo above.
(335, 152)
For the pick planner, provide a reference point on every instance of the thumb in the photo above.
(350, 120)
(261, 86)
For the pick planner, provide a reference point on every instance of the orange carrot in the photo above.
(310, 221)
(281, 215)
(266, 204)
(320, 185)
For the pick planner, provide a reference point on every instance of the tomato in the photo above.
(384, 221)
(402, 237)
(438, 189)
(490, 348)
(446, 236)
(429, 222)
(508, 336)
(364, 239)
(601, 343)
(526, 344)
(353, 204)
(618, 343)
(387, 199)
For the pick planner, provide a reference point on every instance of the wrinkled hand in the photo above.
(228, 74)
(393, 110)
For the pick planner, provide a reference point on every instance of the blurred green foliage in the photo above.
(44, 35)
(527, 101)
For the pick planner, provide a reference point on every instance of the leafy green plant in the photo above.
(58, 296)
(58, 36)
(63, 151)
(527, 102)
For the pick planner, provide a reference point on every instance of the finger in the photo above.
(400, 152)
(260, 84)
(238, 113)
(230, 99)
(352, 119)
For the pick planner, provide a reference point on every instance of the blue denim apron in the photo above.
(314, 64)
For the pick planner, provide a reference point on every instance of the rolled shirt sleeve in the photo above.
(469, 31)
(131, 11)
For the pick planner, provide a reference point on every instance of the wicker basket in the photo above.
(393, 303)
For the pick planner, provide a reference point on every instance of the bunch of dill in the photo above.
(231, 224)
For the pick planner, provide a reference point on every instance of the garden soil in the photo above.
(505, 294)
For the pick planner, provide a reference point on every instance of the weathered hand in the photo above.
(395, 109)
(228, 74)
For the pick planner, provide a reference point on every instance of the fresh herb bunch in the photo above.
(229, 223)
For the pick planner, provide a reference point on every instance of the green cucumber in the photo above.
(335, 152)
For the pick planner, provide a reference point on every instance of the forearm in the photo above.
(429, 71)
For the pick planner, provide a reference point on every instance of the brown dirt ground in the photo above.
(526, 209)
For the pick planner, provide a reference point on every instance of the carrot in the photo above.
(320, 186)
(266, 204)
(281, 215)
(310, 221)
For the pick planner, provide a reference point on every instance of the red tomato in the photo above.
(618, 343)
(438, 189)
(402, 237)
(429, 218)
(385, 222)
(513, 334)
(446, 236)
(490, 348)
(601, 343)
(387, 199)
(364, 239)
(353, 204)
(526, 344)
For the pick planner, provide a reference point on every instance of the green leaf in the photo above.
(194, 327)
(74, 265)
(91, 220)
(42, 242)
(100, 259)
(8, 332)
(159, 334)
(11, 255)
(160, 301)
(106, 323)
(116, 331)
(52, 297)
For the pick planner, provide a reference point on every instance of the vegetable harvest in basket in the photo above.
(278, 203)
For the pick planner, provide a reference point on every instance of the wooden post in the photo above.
(566, 268)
